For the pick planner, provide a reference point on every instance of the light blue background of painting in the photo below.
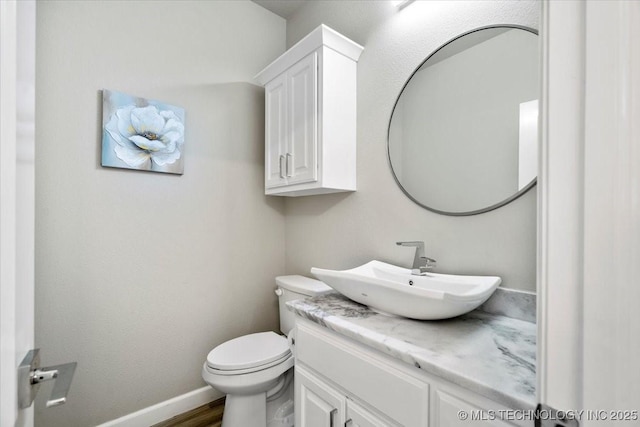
(111, 101)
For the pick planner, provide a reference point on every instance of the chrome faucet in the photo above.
(421, 263)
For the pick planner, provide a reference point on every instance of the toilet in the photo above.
(255, 370)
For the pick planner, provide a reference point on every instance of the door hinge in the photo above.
(546, 416)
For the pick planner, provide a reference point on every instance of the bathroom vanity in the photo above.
(356, 367)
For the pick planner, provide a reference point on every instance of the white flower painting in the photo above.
(141, 134)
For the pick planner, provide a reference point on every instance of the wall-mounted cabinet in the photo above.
(310, 116)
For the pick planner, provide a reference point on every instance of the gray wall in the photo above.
(138, 274)
(345, 230)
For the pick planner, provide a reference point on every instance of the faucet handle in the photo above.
(428, 262)
(425, 265)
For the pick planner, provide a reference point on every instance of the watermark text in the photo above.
(541, 414)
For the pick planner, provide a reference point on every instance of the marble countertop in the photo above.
(489, 354)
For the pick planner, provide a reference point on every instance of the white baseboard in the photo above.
(164, 410)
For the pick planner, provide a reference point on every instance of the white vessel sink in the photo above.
(394, 290)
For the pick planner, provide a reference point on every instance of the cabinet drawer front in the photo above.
(389, 390)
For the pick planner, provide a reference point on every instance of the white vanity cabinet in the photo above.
(340, 382)
(310, 116)
(318, 404)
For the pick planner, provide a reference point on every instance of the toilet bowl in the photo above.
(254, 370)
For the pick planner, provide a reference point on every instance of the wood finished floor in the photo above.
(209, 415)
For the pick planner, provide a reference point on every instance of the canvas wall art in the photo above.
(141, 134)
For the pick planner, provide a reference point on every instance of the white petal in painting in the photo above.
(168, 114)
(147, 119)
(173, 125)
(169, 147)
(171, 138)
(161, 158)
(124, 121)
(133, 157)
(146, 144)
(112, 128)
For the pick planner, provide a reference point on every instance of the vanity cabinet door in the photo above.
(358, 416)
(317, 403)
(276, 132)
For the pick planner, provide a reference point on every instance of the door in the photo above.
(589, 211)
(301, 155)
(17, 97)
(317, 403)
(19, 381)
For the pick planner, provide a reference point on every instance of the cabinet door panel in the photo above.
(301, 155)
(317, 404)
(276, 131)
(358, 416)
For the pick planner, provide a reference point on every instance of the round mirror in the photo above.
(463, 133)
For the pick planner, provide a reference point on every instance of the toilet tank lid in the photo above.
(303, 285)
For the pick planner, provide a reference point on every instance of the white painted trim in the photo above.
(611, 326)
(560, 205)
(25, 187)
(589, 212)
(164, 410)
(8, 320)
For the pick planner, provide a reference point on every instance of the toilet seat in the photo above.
(259, 380)
(248, 370)
(249, 353)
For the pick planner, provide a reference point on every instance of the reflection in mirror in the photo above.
(463, 133)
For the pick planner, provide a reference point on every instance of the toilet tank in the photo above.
(296, 287)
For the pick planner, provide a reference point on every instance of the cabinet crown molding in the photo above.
(321, 36)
